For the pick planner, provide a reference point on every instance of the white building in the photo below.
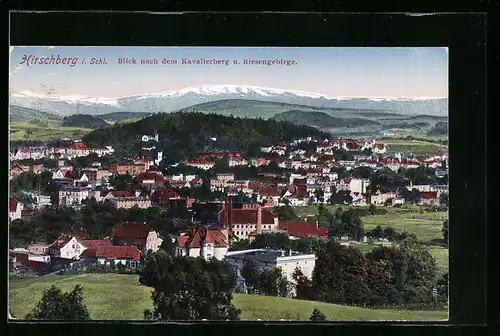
(202, 242)
(288, 261)
(73, 196)
(67, 247)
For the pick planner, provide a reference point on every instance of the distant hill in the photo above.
(321, 119)
(441, 128)
(84, 120)
(24, 114)
(122, 116)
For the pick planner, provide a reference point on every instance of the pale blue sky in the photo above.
(349, 72)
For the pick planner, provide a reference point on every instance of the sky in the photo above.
(335, 72)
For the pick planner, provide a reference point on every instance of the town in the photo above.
(228, 203)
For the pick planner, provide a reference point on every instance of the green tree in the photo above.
(317, 315)
(273, 282)
(251, 273)
(56, 305)
(195, 289)
(445, 231)
(303, 286)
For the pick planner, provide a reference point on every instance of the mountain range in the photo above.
(171, 101)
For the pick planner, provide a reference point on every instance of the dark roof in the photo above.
(246, 216)
(302, 229)
(132, 230)
(118, 252)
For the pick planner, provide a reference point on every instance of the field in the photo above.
(26, 131)
(120, 297)
(417, 147)
(426, 226)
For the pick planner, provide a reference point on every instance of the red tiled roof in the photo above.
(61, 241)
(157, 177)
(97, 243)
(12, 204)
(200, 235)
(428, 194)
(78, 144)
(118, 252)
(162, 194)
(302, 229)
(132, 230)
(239, 216)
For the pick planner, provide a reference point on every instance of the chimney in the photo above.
(259, 219)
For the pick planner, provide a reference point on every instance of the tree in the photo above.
(303, 286)
(273, 282)
(194, 289)
(317, 315)
(445, 231)
(319, 194)
(444, 199)
(56, 305)
(251, 273)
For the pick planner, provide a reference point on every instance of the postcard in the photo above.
(228, 184)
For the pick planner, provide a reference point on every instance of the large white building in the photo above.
(288, 261)
(73, 196)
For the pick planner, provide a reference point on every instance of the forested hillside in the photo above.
(183, 134)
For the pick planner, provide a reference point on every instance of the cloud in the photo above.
(11, 49)
(446, 49)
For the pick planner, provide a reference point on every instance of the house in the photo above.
(66, 247)
(92, 246)
(139, 234)
(428, 198)
(149, 178)
(132, 169)
(380, 198)
(200, 163)
(130, 202)
(248, 221)
(117, 193)
(162, 197)
(298, 229)
(72, 196)
(15, 209)
(22, 258)
(39, 249)
(203, 242)
(129, 256)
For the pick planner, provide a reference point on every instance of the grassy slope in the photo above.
(45, 132)
(426, 226)
(414, 146)
(119, 297)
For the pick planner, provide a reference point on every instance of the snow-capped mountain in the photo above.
(171, 101)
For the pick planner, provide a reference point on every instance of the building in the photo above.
(39, 249)
(203, 242)
(132, 169)
(130, 202)
(200, 163)
(139, 234)
(129, 256)
(15, 209)
(66, 247)
(73, 196)
(92, 246)
(248, 221)
(428, 198)
(288, 261)
(298, 229)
